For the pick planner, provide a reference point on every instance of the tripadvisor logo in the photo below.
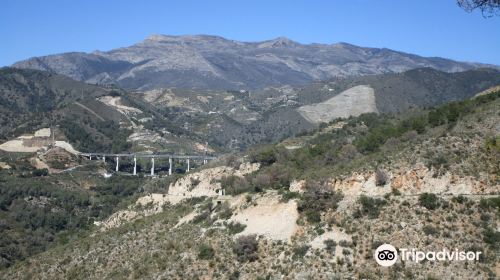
(387, 255)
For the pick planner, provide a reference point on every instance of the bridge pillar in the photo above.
(204, 161)
(170, 166)
(117, 159)
(188, 165)
(152, 166)
(90, 157)
(103, 158)
(135, 166)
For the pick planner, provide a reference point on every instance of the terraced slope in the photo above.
(351, 102)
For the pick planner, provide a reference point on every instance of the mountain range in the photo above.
(212, 62)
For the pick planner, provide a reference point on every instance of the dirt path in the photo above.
(89, 110)
(115, 102)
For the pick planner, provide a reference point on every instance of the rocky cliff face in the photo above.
(213, 62)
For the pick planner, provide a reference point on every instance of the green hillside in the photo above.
(459, 138)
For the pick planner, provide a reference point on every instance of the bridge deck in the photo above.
(132, 155)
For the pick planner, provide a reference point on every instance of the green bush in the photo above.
(317, 199)
(205, 252)
(493, 144)
(312, 216)
(288, 195)
(57, 164)
(459, 199)
(429, 201)
(492, 237)
(430, 230)
(490, 203)
(234, 185)
(300, 251)
(265, 156)
(246, 248)
(438, 161)
(225, 211)
(235, 227)
(330, 245)
(370, 206)
(40, 172)
(381, 177)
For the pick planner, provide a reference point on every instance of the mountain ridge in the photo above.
(214, 62)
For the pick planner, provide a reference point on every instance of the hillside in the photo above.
(211, 62)
(422, 180)
(238, 119)
(88, 116)
(92, 118)
(29, 93)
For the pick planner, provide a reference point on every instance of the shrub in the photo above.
(246, 248)
(418, 124)
(265, 156)
(484, 217)
(436, 118)
(235, 227)
(381, 177)
(430, 230)
(493, 144)
(491, 237)
(204, 216)
(409, 136)
(392, 143)
(429, 201)
(194, 182)
(287, 195)
(318, 198)
(345, 243)
(376, 244)
(205, 252)
(380, 132)
(41, 172)
(300, 251)
(225, 211)
(348, 152)
(459, 199)
(312, 216)
(56, 164)
(395, 191)
(371, 206)
(488, 203)
(438, 161)
(261, 180)
(280, 176)
(330, 245)
(234, 185)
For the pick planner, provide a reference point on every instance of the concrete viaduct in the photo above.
(170, 157)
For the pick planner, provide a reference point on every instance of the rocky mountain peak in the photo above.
(214, 62)
(279, 42)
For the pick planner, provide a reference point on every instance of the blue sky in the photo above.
(425, 27)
